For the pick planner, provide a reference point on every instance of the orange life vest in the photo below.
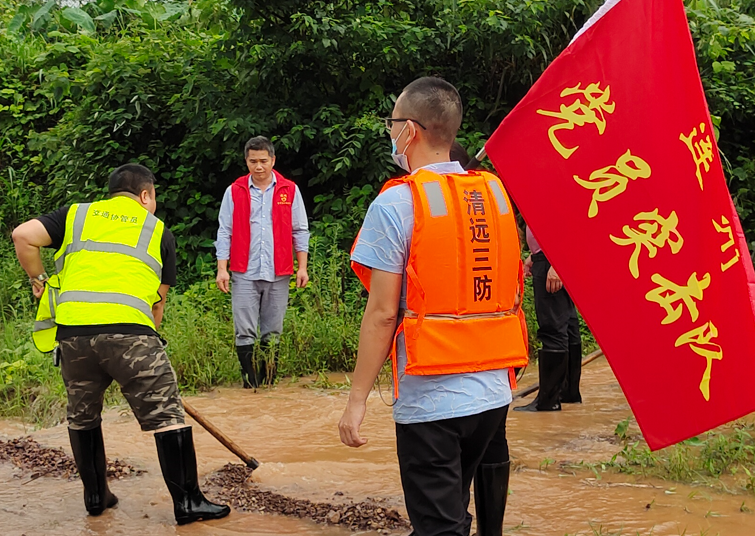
(463, 275)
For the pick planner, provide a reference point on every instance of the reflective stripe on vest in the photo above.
(85, 296)
(41, 325)
(500, 199)
(435, 199)
(45, 329)
(139, 252)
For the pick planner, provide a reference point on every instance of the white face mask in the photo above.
(401, 160)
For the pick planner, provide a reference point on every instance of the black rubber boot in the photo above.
(491, 489)
(552, 374)
(89, 454)
(532, 406)
(570, 391)
(552, 370)
(248, 374)
(178, 461)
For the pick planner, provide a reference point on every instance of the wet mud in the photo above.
(293, 432)
(35, 460)
(233, 485)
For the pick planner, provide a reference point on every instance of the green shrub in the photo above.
(728, 451)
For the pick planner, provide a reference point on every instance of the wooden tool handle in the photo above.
(226, 441)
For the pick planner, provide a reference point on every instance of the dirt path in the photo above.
(292, 430)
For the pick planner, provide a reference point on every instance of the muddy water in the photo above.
(292, 430)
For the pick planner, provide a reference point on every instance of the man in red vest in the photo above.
(262, 222)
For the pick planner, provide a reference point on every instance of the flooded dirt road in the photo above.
(292, 430)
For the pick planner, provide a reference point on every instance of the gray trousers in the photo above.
(258, 304)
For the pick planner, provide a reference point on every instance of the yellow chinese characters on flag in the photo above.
(612, 159)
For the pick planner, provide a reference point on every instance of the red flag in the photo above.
(612, 159)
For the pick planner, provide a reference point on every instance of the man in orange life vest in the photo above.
(262, 221)
(439, 253)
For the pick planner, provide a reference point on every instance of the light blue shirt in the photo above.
(261, 266)
(384, 244)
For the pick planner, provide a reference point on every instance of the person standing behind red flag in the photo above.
(560, 358)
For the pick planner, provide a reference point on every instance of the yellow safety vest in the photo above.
(109, 269)
(44, 323)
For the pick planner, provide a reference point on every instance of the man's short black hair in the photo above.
(259, 143)
(132, 179)
(436, 104)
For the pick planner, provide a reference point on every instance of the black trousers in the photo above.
(556, 314)
(438, 460)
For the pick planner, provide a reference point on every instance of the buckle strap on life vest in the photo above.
(394, 358)
(523, 322)
(521, 285)
(414, 279)
(140, 251)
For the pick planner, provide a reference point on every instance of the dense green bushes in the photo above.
(179, 86)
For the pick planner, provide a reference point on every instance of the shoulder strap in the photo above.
(395, 182)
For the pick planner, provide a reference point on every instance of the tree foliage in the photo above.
(724, 35)
(180, 86)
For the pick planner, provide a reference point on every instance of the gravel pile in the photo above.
(33, 458)
(232, 485)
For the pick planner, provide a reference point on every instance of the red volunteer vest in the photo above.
(241, 237)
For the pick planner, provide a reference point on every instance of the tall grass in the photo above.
(320, 333)
(30, 386)
(723, 458)
(321, 330)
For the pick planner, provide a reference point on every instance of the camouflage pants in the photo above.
(139, 364)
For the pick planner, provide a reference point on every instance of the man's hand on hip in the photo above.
(553, 283)
(528, 266)
(38, 288)
(223, 281)
(302, 278)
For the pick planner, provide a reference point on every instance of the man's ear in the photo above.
(272, 160)
(413, 132)
(144, 197)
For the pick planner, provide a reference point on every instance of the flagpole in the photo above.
(477, 160)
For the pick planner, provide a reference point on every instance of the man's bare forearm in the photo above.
(375, 339)
(30, 259)
(28, 238)
(222, 265)
(158, 309)
(157, 313)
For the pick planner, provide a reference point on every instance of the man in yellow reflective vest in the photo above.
(115, 262)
